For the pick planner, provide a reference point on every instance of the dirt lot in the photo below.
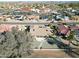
(49, 54)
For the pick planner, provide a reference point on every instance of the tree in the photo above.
(55, 29)
(15, 44)
(71, 37)
(50, 17)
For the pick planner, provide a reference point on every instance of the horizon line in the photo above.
(33, 0)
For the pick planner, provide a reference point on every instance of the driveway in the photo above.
(43, 44)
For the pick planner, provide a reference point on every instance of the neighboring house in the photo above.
(36, 10)
(40, 31)
(4, 17)
(62, 30)
(6, 27)
(21, 11)
(33, 17)
(8, 19)
(75, 18)
(26, 9)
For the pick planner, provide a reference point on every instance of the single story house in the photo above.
(40, 31)
(62, 30)
(6, 27)
(33, 17)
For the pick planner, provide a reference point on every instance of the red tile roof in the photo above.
(63, 29)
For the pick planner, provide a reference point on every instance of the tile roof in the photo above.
(63, 29)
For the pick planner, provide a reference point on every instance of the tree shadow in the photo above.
(67, 49)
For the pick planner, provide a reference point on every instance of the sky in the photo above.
(39, 0)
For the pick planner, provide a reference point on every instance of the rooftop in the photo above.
(37, 30)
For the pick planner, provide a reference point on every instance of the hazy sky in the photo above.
(39, 0)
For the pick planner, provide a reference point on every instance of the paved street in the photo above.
(35, 23)
(25, 23)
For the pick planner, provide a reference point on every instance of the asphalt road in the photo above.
(26, 23)
(35, 23)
